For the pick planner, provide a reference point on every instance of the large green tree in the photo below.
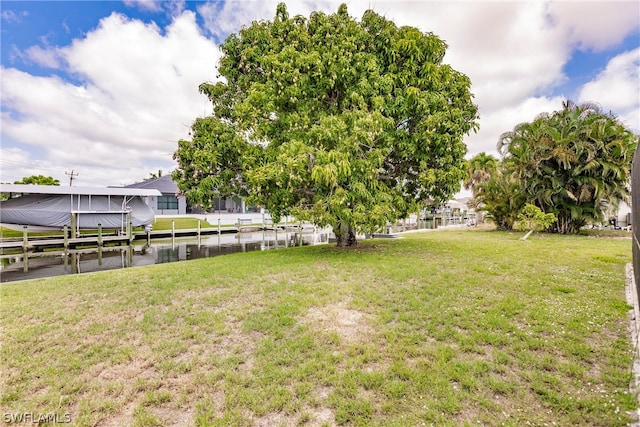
(573, 163)
(340, 122)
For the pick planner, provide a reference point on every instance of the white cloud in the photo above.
(617, 88)
(16, 164)
(134, 93)
(496, 121)
(151, 5)
(223, 18)
(595, 25)
(13, 17)
(45, 57)
(171, 8)
(139, 96)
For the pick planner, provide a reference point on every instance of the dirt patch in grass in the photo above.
(349, 324)
(136, 368)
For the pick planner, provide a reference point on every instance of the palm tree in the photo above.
(479, 169)
(502, 198)
(573, 163)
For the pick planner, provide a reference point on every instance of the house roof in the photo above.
(77, 191)
(164, 184)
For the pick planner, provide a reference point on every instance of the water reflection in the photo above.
(48, 264)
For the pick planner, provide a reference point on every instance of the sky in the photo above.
(105, 90)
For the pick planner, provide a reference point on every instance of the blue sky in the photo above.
(108, 88)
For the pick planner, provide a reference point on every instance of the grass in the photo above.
(164, 223)
(7, 233)
(607, 232)
(438, 328)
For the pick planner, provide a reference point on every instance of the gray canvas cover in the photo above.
(55, 211)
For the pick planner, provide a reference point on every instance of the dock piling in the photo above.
(74, 224)
(25, 237)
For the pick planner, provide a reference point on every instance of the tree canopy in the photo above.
(38, 180)
(574, 163)
(340, 122)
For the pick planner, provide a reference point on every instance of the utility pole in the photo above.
(71, 174)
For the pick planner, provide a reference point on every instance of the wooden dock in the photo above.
(41, 243)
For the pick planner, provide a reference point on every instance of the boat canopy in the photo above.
(53, 206)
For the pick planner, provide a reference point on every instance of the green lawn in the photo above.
(164, 223)
(438, 328)
(7, 233)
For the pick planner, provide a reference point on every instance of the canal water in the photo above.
(48, 264)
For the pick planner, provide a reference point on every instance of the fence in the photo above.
(635, 215)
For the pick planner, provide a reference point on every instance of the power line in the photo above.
(28, 165)
(71, 175)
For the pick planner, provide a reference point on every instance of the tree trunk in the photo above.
(345, 235)
(526, 236)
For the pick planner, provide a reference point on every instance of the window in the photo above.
(167, 202)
